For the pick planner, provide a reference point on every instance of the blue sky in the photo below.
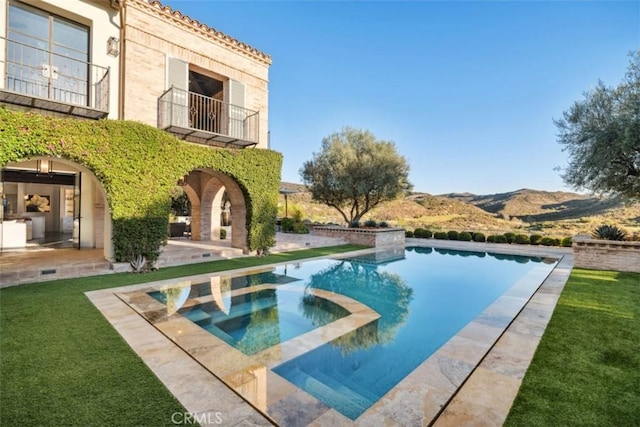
(467, 90)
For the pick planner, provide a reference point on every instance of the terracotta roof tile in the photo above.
(209, 31)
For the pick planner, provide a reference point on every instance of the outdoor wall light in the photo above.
(44, 166)
(113, 46)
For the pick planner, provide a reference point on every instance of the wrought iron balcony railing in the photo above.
(206, 120)
(40, 78)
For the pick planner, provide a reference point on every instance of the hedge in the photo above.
(138, 166)
(464, 236)
(479, 237)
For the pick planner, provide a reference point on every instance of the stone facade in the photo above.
(155, 33)
(606, 254)
(362, 236)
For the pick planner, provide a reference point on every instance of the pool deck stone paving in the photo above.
(471, 380)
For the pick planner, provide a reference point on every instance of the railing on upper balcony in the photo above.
(60, 82)
(204, 119)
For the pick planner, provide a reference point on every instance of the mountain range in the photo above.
(558, 213)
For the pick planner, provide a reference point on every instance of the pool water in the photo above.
(424, 297)
(263, 319)
(255, 321)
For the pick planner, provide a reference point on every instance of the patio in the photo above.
(46, 263)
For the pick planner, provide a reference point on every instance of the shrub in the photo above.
(464, 236)
(567, 242)
(295, 224)
(139, 236)
(300, 228)
(479, 237)
(497, 238)
(287, 225)
(422, 233)
(297, 215)
(452, 234)
(223, 234)
(511, 237)
(548, 241)
(383, 224)
(441, 235)
(609, 232)
(534, 239)
(521, 239)
(354, 224)
(408, 233)
(371, 223)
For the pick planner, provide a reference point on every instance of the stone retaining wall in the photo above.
(378, 237)
(606, 254)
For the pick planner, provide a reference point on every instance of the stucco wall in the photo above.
(103, 22)
(152, 34)
(606, 254)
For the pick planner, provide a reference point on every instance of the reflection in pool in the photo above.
(252, 321)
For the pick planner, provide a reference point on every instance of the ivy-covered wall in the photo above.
(138, 165)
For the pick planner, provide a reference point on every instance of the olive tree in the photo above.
(601, 133)
(354, 172)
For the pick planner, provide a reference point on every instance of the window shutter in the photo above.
(177, 73)
(237, 114)
(178, 78)
(236, 93)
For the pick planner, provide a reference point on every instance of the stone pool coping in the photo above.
(440, 391)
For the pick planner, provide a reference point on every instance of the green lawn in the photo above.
(586, 370)
(62, 364)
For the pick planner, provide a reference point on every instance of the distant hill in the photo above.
(536, 206)
(560, 213)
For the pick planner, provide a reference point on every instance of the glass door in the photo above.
(77, 187)
(47, 56)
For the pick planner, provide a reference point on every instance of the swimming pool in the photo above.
(308, 323)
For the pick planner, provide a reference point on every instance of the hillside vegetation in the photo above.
(555, 213)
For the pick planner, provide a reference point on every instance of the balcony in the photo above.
(36, 78)
(204, 120)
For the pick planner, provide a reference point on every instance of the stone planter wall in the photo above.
(121, 267)
(374, 237)
(606, 254)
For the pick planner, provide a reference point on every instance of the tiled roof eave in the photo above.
(203, 29)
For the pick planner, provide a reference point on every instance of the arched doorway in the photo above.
(53, 202)
(216, 200)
